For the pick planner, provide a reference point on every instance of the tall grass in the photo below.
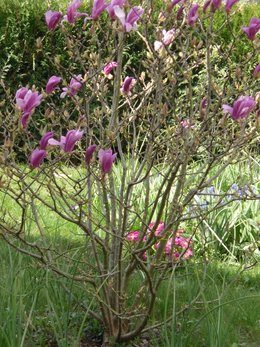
(210, 304)
(38, 308)
(225, 312)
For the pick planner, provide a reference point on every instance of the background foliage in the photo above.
(22, 23)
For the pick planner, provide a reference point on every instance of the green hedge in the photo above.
(27, 48)
(22, 23)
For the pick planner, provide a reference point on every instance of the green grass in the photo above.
(38, 308)
(226, 310)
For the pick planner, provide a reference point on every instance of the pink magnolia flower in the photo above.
(193, 14)
(175, 2)
(52, 84)
(67, 143)
(186, 124)
(45, 138)
(257, 71)
(168, 37)
(72, 13)
(25, 119)
(89, 153)
(203, 103)
(213, 4)
(229, 5)
(110, 7)
(133, 236)
(37, 157)
(241, 107)
(52, 19)
(172, 4)
(20, 94)
(127, 85)
(128, 22)
(106, 159)
(109, 67)
(180, 12)
(73, 87)
(252, 29)
(98, 7)
(27, 100)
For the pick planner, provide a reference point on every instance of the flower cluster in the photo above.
(38, 155)
(27, 100)
(115, 11)
(67, 143)
(213, 5)
(211, 197)
(177, 246)
(242, 191)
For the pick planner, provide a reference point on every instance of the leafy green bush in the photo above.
(22, 23)
(239, 18)
(26, 46)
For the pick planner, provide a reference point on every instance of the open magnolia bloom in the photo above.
(72, 13)
(129, 21)
(241, 107)
(27, 101)
(73, 87)
(168, 37)
(252, 29)
(68, 142)
(52, 84)
(113, 3)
